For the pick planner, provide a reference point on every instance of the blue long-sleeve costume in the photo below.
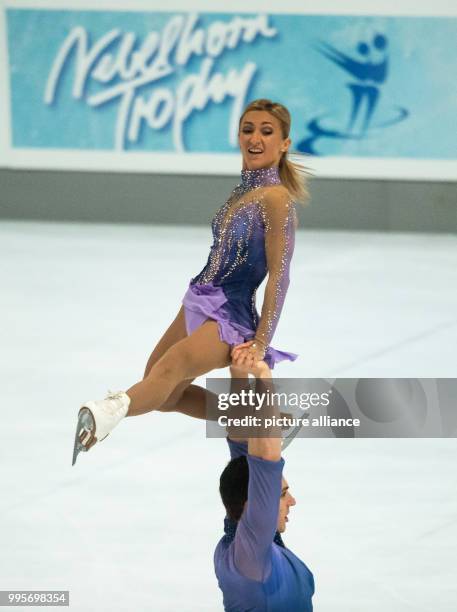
(255, 571)
(253, 234)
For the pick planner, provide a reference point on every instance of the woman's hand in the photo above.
(248, 358)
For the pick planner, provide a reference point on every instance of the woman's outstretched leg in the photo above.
(188, 358)
(193, 356)
(175, 332)
(191, 400)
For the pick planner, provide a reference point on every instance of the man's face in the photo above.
(285, 502)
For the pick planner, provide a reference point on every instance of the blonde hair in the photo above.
(293, 175)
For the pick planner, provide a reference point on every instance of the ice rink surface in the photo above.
(134, 524)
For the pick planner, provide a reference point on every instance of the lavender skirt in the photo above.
(202, 302)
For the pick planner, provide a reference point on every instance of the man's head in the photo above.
(233, 488)
(285, 502)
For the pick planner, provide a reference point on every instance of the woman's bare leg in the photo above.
(186, 398)
(188, 358)
(191, 400)
(175, 333)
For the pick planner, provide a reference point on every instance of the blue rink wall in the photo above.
(385, 75)
(371, 96)
(130, 114)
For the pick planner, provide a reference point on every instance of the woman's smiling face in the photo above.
(261, 140)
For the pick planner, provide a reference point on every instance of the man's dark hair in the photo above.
(233, 486)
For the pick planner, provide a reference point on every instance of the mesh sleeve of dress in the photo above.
(280, 222)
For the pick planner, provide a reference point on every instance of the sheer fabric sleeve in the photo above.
(280, 222)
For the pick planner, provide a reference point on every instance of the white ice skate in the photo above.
(97, 418)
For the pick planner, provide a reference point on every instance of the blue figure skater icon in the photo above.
(369, 76)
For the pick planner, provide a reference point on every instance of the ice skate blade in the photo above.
(85, 424)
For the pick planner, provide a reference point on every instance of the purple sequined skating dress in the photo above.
(253, 235)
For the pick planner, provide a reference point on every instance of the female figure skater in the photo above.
(218, 324)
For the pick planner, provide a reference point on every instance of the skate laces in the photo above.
(114, 395)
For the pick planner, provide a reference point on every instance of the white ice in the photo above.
(134, 524)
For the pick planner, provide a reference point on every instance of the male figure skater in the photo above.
(255, 570)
